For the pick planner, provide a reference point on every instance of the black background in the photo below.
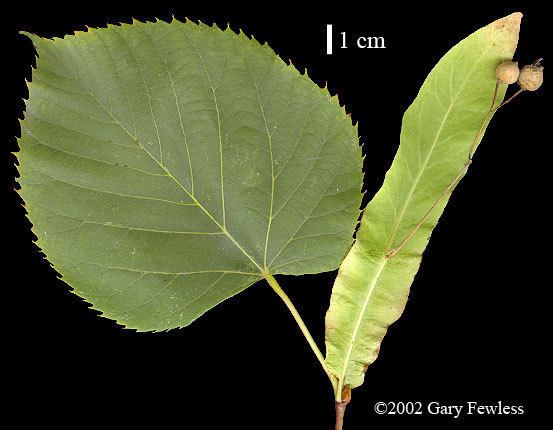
(474, 324)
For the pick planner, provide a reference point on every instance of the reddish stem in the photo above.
(341, 407)
(340, 412)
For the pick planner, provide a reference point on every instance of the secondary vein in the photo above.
(179, 184)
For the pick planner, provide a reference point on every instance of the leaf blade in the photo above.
(371, 289)
(148, 159)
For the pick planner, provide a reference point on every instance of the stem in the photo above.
(491, 110)
(494, 98)
(509, 99)
(485, 122)
(459, 176)
(295, 314)
(340, 412)
(341, 407)
(449, 188)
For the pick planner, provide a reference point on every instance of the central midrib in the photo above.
(372, 286)
(382, 264)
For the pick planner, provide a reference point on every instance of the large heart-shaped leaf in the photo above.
(437, 138)
(168, 166)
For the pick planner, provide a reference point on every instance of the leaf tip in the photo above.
(510, 23)
(27, 34)
(504, 33)
(34, 38)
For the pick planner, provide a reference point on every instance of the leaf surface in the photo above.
(168, 166)
(372, 287)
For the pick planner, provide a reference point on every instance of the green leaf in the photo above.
(438, 129)
(168, 166)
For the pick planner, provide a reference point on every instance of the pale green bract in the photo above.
(371, 289)
(168, 166)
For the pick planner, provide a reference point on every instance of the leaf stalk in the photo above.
(295, 314)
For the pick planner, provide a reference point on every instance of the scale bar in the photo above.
(329, 39)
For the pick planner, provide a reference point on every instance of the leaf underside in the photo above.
(168, 166)
(371, 290)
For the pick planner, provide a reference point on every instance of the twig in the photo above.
(340, 412)
(341, 407)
